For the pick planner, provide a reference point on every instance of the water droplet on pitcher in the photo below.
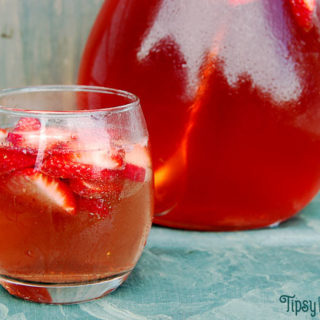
(29, 253)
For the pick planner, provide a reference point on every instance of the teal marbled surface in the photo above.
(207, 275)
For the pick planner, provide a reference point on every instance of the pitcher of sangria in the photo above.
(231, 94)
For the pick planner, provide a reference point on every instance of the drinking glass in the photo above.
(75, 191)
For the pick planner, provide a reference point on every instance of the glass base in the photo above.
(64, 293)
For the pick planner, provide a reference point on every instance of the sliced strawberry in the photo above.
(109, 189)
(11, 160)
(35, 294)
(49, 139)
(27, 124)
(137, 161)
(98, 207)
(303, 12)
(88, 165)
(137, 170)
(29, 136)
(134, 173)
(37, 188)
(63, 166)
(101, 159)
(25, 127)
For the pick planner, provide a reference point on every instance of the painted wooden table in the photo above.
(263, 274)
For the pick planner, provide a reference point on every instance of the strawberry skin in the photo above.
(36, 188)
(12, 160)
(62, 166)
(27, 136)
(89, 165)
(50, 139)
(25, 128)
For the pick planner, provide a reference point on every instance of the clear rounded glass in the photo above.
(76, 190)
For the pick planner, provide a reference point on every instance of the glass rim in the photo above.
(134, 101)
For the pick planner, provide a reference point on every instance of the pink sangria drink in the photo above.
(75, 193)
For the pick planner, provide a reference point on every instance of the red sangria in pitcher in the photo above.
(231, 93)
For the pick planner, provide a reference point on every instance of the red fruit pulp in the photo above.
(29, 293)
(231, 94)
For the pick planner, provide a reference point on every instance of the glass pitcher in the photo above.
(231, 94)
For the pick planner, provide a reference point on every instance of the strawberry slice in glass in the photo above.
(12, 160)
(137, 170)
(36, 189)
(88, 165)
(30, 136)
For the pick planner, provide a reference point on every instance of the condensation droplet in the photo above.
(29, 253)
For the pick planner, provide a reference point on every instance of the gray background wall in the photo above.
(41, 41)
